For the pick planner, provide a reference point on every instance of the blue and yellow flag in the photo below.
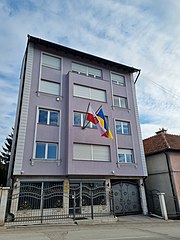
(104, 123)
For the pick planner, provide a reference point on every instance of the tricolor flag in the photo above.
(104, 123)
(100, 121)
(92, 117)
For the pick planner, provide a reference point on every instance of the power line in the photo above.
(166, 90)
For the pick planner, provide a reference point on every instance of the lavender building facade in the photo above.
(51, 148)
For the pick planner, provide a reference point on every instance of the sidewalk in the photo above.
(97, 220)
(124, 227)
(130, 219)
(123, 219)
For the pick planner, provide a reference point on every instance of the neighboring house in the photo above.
(162, 153)
(50, 147)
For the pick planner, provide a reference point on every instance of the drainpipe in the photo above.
(171, 181)
(139, 71)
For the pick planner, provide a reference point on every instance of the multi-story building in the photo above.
(50, 146)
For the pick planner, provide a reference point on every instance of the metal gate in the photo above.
(126, 198)
(51, 202)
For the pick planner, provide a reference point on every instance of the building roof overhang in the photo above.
(74, 52)
(167, 150)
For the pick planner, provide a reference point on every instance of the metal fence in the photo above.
(172, 204)
(153, 202)
(173, 207)
(40, 203)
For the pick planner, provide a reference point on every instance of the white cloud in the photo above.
(142, 34)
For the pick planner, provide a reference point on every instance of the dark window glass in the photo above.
(40, 150)
(52, 151)
(43, 116)
(77, 119)
(53, 118)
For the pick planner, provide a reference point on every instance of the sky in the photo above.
(143, 34)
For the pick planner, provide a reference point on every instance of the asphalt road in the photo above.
(113, 231)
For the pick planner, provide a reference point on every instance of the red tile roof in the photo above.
(161, 141)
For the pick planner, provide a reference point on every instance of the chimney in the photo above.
(161, 131)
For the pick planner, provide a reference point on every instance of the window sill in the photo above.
(90, 99)
(50, 95)
(120, 85)
(34, 161)
(51, 67)
(117, 107)
(91, 160)
(119, 164)
(87, 75)
(120, 134)
(51, 125)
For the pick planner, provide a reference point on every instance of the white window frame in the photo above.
(122, 102)
(122, 127)
(86, 70)
(89, 152)
(126, 153)
(49, 64)
(89, 93)
(48, 116)
(46, 151)
(45, 82)
(115, 80)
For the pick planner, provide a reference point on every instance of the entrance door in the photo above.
(126, 198)
(74, 198)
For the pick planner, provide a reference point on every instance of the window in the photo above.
(118, 79)
(120, 101)
(49, 87)
(125, 156)
(89, 71)
(51, 61)
(80, 119)
(31, 196)
(89, 93)
(46, 151)
(122, 127)
(89, 152)
(48, 117)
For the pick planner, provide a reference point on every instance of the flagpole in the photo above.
(84, 126)
(98, 109)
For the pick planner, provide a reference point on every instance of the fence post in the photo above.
(113, 205)
(163, 205)
(42, 201)
(92, 213)
(74, 205)
(3, 203)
